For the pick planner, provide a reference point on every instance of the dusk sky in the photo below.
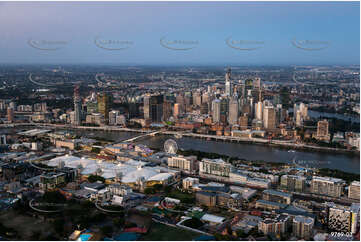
(67, 32)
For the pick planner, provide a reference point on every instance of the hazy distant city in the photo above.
(126, 150)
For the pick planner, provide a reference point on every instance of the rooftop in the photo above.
(277, 193)
(272, 203)
(327, 179)
(212, 218)
(303, 219)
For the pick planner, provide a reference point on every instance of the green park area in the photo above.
(163, 232)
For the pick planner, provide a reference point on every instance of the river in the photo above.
(321, 159)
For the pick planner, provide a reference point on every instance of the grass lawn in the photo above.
(167, 233)
(183, 197)
(25, 225)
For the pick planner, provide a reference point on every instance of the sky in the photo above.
(180, 33)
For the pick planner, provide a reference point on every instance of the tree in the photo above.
(194, 223)
(59, 226)
(94, 178)
(241, 234)
(107, 230)
(158, 187)
(54, 197)
(118, 222)
(149, 190)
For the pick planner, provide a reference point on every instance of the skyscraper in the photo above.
(259, 110)
(104, 105)
(228, 83)
(257, 83)
(113, 117)
(269, 117)
(233, 112)
(322, 128)
(177, 110)
(153, 108)
(77, 106)
(243, 121)
(167, 110)
(216, 111)
(248, 85)
(146, 107)
(10, 114)
(300, 113)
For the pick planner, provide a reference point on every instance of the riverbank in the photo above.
(250, 151)
(231, 139)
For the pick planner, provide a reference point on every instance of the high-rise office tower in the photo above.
(177, 110)
(322, 128)
(153, 108)
(233, 112)
(146, 107)
(167, 109)
(248, 85)
(257, 83)
(104, 105)
(113, 117)
(197, 99)
(228, 83)
(224, 106)
(216, 111)
(205, 97)
(204, 108)
(241, 89)
(299, 119)
(302, 111)
(269, 117)
(77, 106)
(259, 111)
(188, 101)
(243, 121)
(10, 114)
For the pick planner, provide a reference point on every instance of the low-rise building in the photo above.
(277, 196)
(268, 205)
(303, 227)
(216, 167)
(187, 164)
(293, 183)
(52, 180)
(274, 226)
(354, 190)
(189, 182)
(208, 199)
(246, 193)
(329, 186)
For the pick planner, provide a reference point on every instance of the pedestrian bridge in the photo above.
(141, 136)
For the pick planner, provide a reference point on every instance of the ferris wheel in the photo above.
(170, 146)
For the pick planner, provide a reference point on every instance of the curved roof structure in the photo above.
(131, 170)
(140, 172)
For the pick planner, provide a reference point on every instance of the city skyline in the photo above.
(180, 121)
